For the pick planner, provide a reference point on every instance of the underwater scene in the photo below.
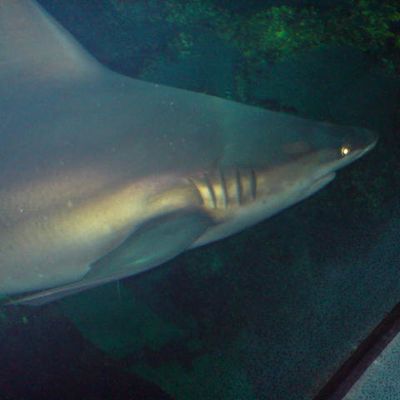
(199, 200)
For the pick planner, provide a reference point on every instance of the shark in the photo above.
(103, 176)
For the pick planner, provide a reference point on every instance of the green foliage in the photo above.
(276, 32)
(188, 18)
(185, 14)
(263, 33)
(365, 24)
(279, 31)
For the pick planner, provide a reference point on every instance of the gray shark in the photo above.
(103, 176)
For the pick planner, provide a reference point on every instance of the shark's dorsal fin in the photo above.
(34, 47)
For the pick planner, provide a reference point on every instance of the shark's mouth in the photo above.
(321, 182)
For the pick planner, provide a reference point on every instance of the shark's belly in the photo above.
(43, 251)
(55, 245)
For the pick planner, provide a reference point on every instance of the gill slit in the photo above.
(210, 190)
(239, 189)
(253, 184)
(224, 191)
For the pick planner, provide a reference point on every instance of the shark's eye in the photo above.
(345, 150)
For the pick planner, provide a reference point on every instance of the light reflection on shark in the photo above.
(103, 176)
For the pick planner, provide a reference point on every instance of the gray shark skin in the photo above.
(103, 176)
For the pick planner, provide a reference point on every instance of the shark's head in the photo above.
(299, 162)
(312, 161)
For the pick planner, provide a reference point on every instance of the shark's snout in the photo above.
(364, 141)
(356, 144)
(342, 145)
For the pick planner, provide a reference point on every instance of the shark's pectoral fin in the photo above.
(153, 243)
(156, 241)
